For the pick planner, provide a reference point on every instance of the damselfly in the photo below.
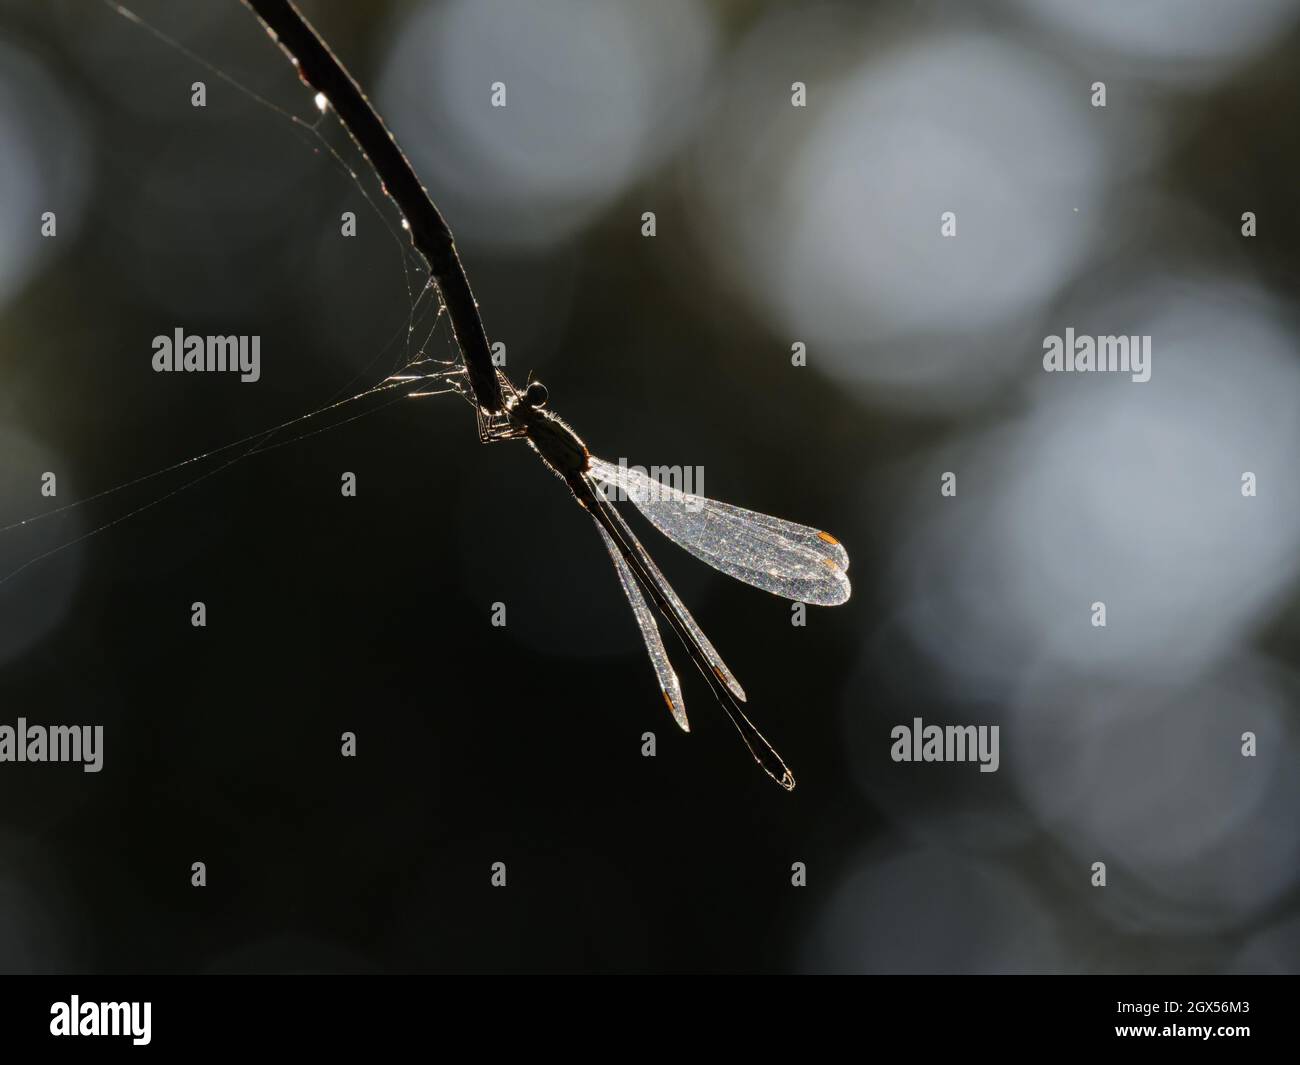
(779, 556)
(790, 560)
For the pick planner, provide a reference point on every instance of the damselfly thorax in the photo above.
(550, 436)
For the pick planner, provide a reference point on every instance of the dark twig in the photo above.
(319, 68)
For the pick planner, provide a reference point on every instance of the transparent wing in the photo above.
(790, 560)
(711, 656)
(820, 543)
(697, 646)
(654, 643)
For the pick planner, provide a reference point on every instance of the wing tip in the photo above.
(730, 682)
(678, 712)
(841, 556)
(839, 592)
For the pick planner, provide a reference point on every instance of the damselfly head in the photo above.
(535, 395)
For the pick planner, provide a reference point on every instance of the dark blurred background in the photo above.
(775, 225)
